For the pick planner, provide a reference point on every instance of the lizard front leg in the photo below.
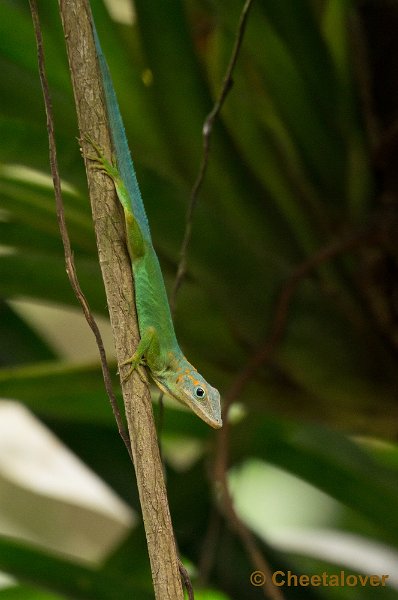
(148, 348)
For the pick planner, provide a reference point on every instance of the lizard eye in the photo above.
(200, 392)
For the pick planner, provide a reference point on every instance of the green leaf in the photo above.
(328, 460)
(36, 567)
(44, 277)
(29, 197)
(24, 592)
(296, 24)
(60, 391)
(169, 52)
(25, 345)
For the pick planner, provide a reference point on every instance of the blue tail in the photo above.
(120, 146)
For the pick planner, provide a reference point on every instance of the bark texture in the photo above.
(116, 272)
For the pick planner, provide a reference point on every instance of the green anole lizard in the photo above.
(158, 348)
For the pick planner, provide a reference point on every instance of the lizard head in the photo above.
(189, 387)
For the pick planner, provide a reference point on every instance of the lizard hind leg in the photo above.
(135, 240)
(100, 161)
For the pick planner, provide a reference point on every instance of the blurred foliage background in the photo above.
(304, 156)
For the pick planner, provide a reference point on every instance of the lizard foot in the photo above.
(99, 160)
(134, 361)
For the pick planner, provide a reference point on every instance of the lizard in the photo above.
(158, 348)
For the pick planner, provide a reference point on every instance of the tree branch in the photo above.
(69, 260)
(116, 271)
(207, 131)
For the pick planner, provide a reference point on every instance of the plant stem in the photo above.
(116, 272)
